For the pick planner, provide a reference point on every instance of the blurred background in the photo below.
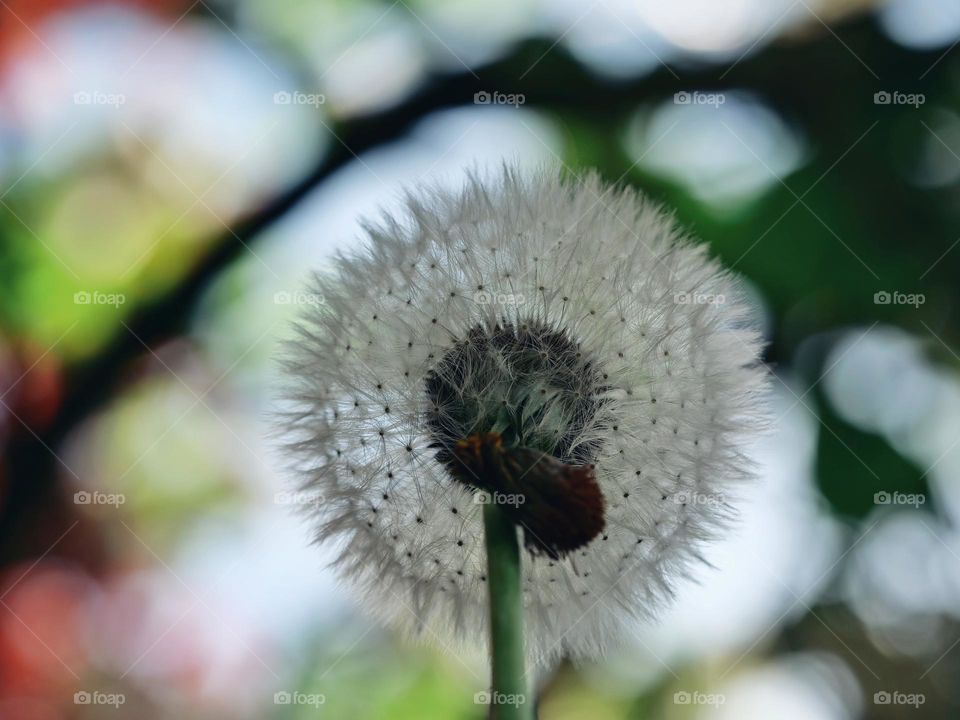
(170, 170)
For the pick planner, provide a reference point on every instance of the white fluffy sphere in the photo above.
(645, 363)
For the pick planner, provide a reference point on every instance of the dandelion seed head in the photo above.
(568, 318)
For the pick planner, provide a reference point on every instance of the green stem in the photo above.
(509, 699)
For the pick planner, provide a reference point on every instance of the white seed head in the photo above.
(569, 316)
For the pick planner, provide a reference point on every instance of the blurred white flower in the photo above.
(604, 369)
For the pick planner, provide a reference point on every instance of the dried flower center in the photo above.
(514, 411)
(529, 383)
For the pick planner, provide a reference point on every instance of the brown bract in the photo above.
(559, 506)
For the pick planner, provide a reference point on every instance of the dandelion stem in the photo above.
(508, 698)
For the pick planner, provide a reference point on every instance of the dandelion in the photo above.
(527, 362)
